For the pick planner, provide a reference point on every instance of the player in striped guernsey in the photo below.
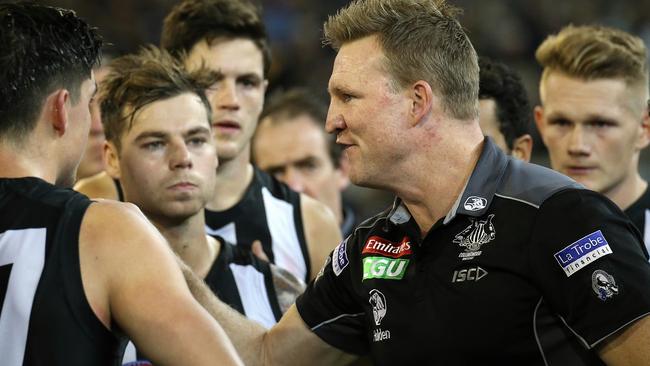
(594, 115)
(160, 147)
(70, 284)
(228, 37)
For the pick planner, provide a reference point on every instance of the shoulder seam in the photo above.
(516, 199)
(335, 319)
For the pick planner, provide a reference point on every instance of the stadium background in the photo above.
(506, 30)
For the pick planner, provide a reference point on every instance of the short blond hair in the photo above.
(421, 40)
(595, 52)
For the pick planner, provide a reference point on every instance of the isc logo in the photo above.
(469, 274)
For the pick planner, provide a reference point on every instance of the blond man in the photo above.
(594, 113)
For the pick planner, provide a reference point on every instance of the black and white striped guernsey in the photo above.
(45, 318)
(269, 212)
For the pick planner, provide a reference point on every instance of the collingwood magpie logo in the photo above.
(474, 203)
(378, 302)
(379, 307)
(603, 284)
(478, 233)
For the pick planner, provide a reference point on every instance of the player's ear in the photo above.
(112, 160)
(522, 147)
(644, 132)
(57, 114)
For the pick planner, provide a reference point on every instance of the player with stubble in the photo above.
(228, 37)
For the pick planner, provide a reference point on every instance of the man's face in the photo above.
(367, 115)
(490, 124)
(92, 161)
(295, 151)
(593, 129)
(79, 121)
(237, 98)
(167, 162)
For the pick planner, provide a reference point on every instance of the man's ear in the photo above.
(58, 114)
(112, 160)
(644, 133)
(522, 147)
(538, 113)
(421, 101)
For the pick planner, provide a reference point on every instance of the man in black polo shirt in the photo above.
(483, 259)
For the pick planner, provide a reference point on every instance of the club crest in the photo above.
(478, 233)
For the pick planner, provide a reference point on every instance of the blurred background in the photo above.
(505, 30)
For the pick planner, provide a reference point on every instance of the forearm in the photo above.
(247, 336)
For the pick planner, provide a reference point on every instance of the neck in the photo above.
(17, 162)
(233, 178)
(188, 240)
(628, 192)
(439, 177)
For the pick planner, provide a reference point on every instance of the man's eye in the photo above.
(197, 141)
(153, 145)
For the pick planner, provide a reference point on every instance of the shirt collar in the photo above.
(479, 190)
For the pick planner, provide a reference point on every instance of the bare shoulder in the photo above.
(316, 212)
(322, 232)
(100, 185)
(118, 228)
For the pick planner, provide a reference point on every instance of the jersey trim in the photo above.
(335, 319)
(517, 199)
(539, 343)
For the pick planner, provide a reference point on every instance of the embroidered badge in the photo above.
(582, 252)
(473, 203)
(340, 258)
(379, 306)
(603, 284)
(478, 233)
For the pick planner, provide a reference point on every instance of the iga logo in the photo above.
(473, 203)
(379, 306)
(385, 268)
(381, 246)
(603, 284)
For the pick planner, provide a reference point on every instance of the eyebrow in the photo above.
(161, 135)
(198, 131)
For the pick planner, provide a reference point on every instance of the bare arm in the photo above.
(322, 233)
(631, 346)
(131, 276)
(290, 342)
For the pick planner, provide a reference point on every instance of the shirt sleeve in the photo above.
(587, 260)
(330, 307)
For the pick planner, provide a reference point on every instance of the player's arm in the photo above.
(322, 232)
(131, 276)
(630, 347)
(100, 185)
(289, 342)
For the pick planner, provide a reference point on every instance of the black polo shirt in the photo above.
(527, 268)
